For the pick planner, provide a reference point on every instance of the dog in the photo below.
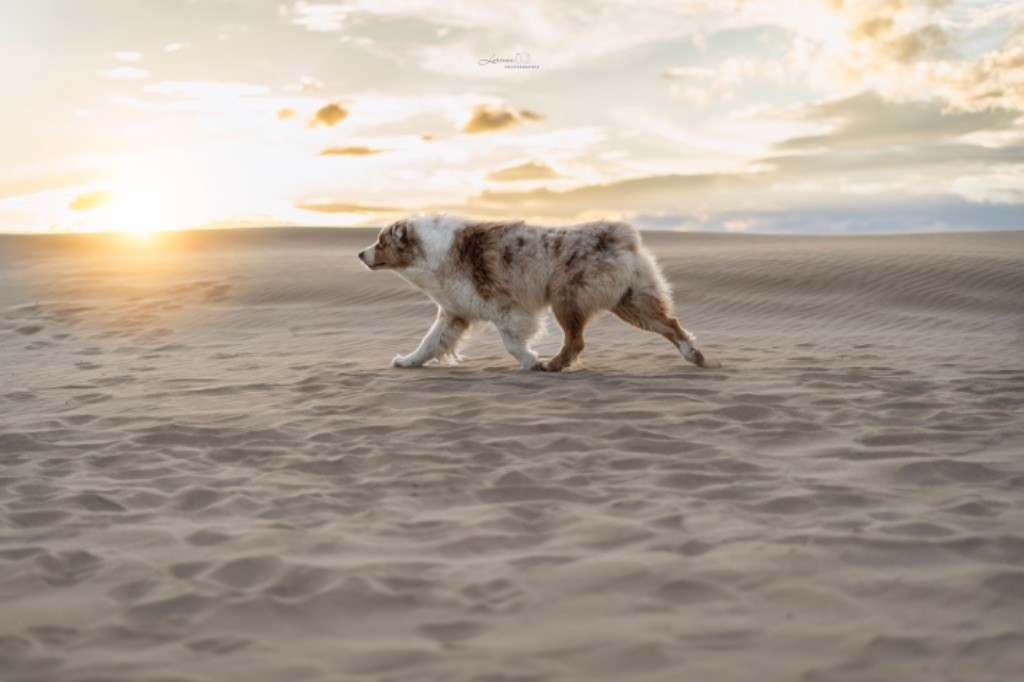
(510, 273)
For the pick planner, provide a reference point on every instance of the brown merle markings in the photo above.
(557, 241)
(394, 250)
(652, 312)
(510, 252)
(572, 320)
(477, 251)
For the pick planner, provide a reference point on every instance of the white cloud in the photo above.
(903, 49)
(206, 89)
(306, 85)
(558, 34)
(125, 73)
(703, 85)
(128, 56)
(992, 188)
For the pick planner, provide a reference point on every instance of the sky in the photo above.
(817, 116)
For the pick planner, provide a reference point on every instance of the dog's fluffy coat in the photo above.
(509, 273)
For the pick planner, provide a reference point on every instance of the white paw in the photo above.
(405, 361)
(687, 350)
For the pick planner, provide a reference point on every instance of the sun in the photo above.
(142, 208)
(156, 197)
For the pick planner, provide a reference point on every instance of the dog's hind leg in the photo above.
(650, 310)
(517, 329)
(572, 320)
(441, 341)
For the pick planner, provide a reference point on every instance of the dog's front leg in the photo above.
(442, 340)
(516, 331)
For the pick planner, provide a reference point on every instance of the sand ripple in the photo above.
(209, 471)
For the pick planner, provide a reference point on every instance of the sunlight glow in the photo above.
(155, 197)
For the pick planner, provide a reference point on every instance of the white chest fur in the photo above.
(455, 295)
(424, 280)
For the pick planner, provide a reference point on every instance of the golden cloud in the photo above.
(90, 200)
(329, 115)
(486, 118)
(655, 192)
(531, 170)
(351, 151)
(341, 207)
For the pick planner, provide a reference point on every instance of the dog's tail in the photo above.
(648, 278)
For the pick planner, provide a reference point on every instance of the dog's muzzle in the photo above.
(367, 259)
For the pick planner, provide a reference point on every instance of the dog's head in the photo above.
(397, 246)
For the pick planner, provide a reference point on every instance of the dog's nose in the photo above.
(361, 254)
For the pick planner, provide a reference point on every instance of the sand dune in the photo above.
(209, 471)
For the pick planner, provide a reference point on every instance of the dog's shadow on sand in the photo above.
(492, 374)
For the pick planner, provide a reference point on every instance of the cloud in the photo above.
(892, 29)
(306, 85)
(901, 49)
(652, 192)
(90, 200)
(889, 151)
(867, 120)
(125, 73)
(212, 106)
(322, 17)
(703, 85)
(340, 207)
(531, 170)
(209, 90)
(351, 151)
(687, 72)
(953, 159)
(992, 188)
(486, 118)
(286, 114)
(994, 80)
(128, 56)
(329, 115)
(932, 213)
(557, 33)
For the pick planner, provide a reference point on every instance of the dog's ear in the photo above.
(400, 232)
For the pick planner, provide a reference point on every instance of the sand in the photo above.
(209, 470)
